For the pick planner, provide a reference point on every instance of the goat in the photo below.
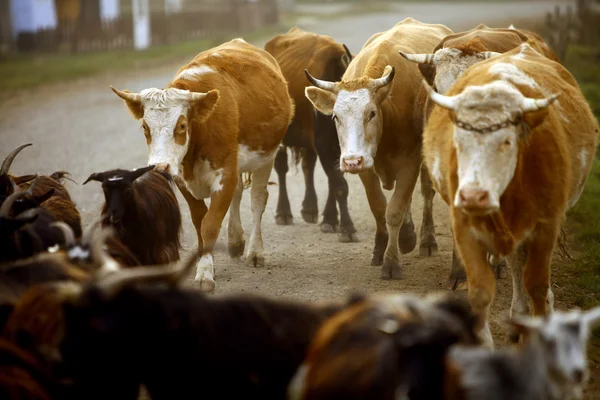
(550, 365)
(384, 347)
(239, 345)
(142, 208)
(27, 233)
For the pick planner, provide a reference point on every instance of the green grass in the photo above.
(25, 71)
(584, 219)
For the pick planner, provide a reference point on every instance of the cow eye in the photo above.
(182, 126)
(372, 115)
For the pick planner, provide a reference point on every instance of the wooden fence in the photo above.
(226, 17)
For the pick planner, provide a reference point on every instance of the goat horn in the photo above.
(100, 257)
(11, 157)
(66, 231)
(530, 104)
(448, 102)
(489, 54)
(386, 78)
(127, 95)
(325, 85)
(32, 186)
(418, 58)
(112, 283)
(136, 173)
(8, 203)
(86, 237)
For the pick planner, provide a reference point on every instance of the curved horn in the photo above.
(488, 54)
(126, 95)
(197, 96)
(325, 85)
(97, 176)
(136, 173)
(86, 236)
(530, 104)
(32, 186)
(8, 203)
(66, 231)
(448, 102)
(112, 283)
(348, 52)
(386, 78)
(11, 157)
(419, 58)
(100, 257)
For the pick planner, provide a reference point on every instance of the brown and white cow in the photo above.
(448, 61)
(312, 133)
(379, 133)
(509, 149)
(224, 114)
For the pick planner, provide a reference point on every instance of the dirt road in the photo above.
(83, 127)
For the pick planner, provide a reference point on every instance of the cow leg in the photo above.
(537, 268)
(283, 216)
(310, 208)
(395, 217)
(260, 194)
(377, 204)
(428, 246)
(407, 239)
(211, 225)
(235, 230)
(458, 277)
(480, 277)
(520, 302)
(330, 223)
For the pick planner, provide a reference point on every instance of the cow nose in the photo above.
(353, 163)
(163, 167)
(474, 198)
(578, 375)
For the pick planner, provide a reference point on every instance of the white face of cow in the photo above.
(487, 136)
(165, 114)
(357, 116)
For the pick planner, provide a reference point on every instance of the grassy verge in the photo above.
(584, 219)
(25, 71)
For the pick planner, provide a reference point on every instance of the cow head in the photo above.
(490, 121)
(167, 116)
(356, 109)
(449, 64)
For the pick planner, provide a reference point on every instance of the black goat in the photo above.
(142, 208)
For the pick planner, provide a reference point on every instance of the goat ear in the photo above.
(592, 317)
(98, 177)
(23, 179)
(136, 173)
(45, 196)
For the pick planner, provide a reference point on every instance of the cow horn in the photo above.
(448, 102)
(136, 173)
(419, 58)
(66, 231)
(530, 104)
(111, 284)
(325, 85)
(386, 78)
(127, 96)
(489, 54)
(11, 157)
(348, 52)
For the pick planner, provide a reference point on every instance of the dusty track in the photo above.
(83, 127)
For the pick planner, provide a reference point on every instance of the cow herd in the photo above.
(489, 119)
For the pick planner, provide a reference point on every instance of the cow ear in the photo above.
(204, 106)
(428, 72)
(135, 107)
(323, 100)
(535, 118)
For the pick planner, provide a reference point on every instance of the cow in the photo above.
(312, 133)
(376, 117)
(448, 61)
(510, 158)
(224, 114)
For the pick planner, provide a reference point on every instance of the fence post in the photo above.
(141, 24)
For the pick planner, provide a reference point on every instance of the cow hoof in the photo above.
(312, 217)
(501, 270)
(284, 219)
(457, 283)
(428, 247)
(407, 239)
(254, 260)
(345, 237)
(377, 258)
(328, 228)
(205, 284)
(391, 270)
(236, 250)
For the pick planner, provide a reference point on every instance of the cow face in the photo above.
(167, 116)
(356, 109)
(489, 124)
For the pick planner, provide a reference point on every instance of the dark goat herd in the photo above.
(100, 313)
(78, 323)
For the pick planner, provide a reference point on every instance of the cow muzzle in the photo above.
(163, 167)
(475, 200)
(353, 164)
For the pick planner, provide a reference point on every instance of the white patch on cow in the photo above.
(249, 161)
(511, 73)
(195, 72)
(205, 181)
(450, 64)
(583, 158)
(239, 40)
(559, 107)
(217, 54)
(436, 172)
(162, 109)
(115, 178)
(521, 55)
(357, 139)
